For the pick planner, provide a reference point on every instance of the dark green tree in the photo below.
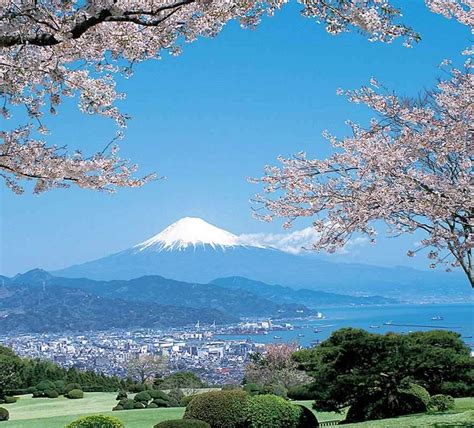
(372, 373)
(10, 370)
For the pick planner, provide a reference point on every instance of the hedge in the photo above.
(182, 423)
(96, 421)
(220, 409)
(265, 411)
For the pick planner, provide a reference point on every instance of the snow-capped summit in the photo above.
(189, 231)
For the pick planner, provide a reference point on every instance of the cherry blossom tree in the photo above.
(412, 168)
(51, 49)
(276, 367)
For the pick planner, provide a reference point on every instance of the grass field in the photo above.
(56, 413)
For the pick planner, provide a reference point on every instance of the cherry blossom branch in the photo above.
(22, 158)
(412, 169)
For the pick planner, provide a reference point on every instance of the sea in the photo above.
(401, 318)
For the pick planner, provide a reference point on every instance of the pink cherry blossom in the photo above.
(51, 49)
(411, 168)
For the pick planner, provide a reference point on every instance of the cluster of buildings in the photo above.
(197, 349)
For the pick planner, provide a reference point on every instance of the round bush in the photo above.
(127, 404)
(139, 405)
(271, 411)
(117, 407)
(220, 409)
(96, 421)
(4, 415)
(441, 402)
(152, 406)
(121, 395)
(70, 387)
(10, 400)
(182, 423)
(143, 397)
(156, 393)
(75, 394)
(51, 393)
(161, 403)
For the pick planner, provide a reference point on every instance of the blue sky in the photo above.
(209, 119)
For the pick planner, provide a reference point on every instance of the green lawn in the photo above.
(30, 412)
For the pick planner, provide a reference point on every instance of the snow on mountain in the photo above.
(189, 231)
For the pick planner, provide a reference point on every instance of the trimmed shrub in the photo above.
(156, 393)
(271, 411)
(152, 406)
(96, 421)
(161, 403)
(127, 404)
(4, 415)
(186, 400)
(143, 397)
(51, 393)
(182, 423)
(220, 409)
(121, 395)
(117, 407)
(70, 387)
(139, 405)
(75, 394)
(8, 399)
(300, 392)
(441, 402)
(307, 418)
(419, 392)
(175, 395)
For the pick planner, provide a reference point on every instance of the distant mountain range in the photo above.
(40, 302)
(192, 250)
(38, 309)
(311, 298)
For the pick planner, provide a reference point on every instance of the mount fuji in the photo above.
(193, 250)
